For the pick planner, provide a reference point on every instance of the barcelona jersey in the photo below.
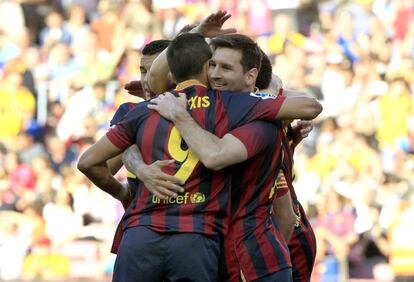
(254, 247)
(203, 207)
(132, 180)
(302, 245)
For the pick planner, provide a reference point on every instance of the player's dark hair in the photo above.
(251, 53)
(155, 47)
(186, 55)
(265, 73)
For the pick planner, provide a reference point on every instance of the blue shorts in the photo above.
(145, 255)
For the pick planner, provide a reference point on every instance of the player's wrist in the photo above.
(141, 167)
(195, 30)
(181, 116)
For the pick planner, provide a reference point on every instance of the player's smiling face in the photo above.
(225, 71)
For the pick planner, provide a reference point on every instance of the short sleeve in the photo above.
(124, 133)
(244, 107)
(121, 112)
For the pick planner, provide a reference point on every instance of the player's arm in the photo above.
(287, 104)
(285, 216)
(154, 179)
(115, 164)
(158, 74)
(211, 26)
(299, 106)
(92, 163)
(303, 127)
(215, 153)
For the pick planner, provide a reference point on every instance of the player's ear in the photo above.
(251, 76)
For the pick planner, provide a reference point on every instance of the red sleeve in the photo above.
(119, 137)
(256, 136)
(267, 107)
(124, 133)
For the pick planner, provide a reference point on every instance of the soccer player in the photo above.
(301, 240)
(231, 61)
(140, 89)
(194, 219)
(302, 243)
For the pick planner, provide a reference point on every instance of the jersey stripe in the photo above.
(204, 206)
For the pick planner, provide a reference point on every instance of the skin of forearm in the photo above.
(158, 74)
(204, 144)
(295, 93)
(285, 216)
(132, 159)
(115, 164)
(102, 178)
(297, 137)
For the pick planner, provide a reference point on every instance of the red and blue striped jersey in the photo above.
(121, 112)
(254, 247)
(132, 180)
(203, 207)
(302, 245)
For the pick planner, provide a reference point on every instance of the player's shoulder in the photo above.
(129, 109)
(127, 106)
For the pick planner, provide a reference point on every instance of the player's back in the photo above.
(203, 207)
(257, 244)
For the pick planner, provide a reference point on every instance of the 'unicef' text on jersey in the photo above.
(263, 96)
(193, 198)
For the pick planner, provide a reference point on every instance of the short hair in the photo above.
(187, 55)
(251, 53)
(155, 47)
(265, 73)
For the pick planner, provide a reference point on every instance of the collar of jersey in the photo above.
(187, 83)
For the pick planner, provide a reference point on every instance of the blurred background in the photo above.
(62, 68)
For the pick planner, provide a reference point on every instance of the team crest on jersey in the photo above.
(197, 198)
(263, 96)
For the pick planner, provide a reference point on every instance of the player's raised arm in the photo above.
(211, 26)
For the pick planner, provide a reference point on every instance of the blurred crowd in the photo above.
(63, 65)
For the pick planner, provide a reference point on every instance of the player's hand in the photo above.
(134, 88)
(159, 183)
(170, 106)
(305, 127)
(212, 25)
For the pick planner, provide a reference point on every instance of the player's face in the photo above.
(225, 71)
(145, 65)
